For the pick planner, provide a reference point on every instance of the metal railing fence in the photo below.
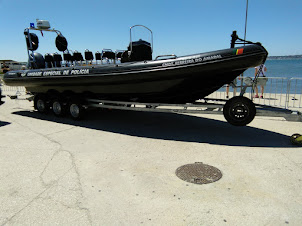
(280, 92)
(294, 93)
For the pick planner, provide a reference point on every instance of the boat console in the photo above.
(140, 51)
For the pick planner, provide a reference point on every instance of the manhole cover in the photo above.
(198, 173)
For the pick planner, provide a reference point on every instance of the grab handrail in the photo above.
(169, 55)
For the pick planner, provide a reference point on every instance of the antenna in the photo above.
(247, 7)
(246, 11)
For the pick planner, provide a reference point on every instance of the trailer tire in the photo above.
(239, 111)
(40, 103)
(76, 109)
(58, 107)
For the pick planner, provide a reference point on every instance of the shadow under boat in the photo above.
(174, 127)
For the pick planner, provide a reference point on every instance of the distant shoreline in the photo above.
(284, 57)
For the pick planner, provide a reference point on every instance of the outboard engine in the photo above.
(36, 61)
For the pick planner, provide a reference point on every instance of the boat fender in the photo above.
(34, 41)
(61, 43)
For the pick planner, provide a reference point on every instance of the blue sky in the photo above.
(180, 27)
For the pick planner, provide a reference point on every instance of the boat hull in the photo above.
(179, 80)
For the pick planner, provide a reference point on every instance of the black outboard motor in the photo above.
(36, 61)
(141, 50)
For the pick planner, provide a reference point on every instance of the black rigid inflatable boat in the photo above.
(137, 78)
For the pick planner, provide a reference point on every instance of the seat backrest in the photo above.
(118, 54)
(78, 56)
(98, 56)
(108, 54)
(49, 60)
(125, 57)
(57, 59)
(67, 57)
(88, 55)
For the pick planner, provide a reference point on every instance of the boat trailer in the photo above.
(238, 111)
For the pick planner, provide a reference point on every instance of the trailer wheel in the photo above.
(58, 107)
(40, 103)
(239, 111)
(293, 139)
(76, 110)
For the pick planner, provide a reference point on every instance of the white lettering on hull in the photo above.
(190, 61)
(80, 72)
(57, 73)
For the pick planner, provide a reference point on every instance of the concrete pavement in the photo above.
(118, 168)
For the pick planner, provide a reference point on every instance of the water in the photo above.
(280, 73)
(287, 68)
